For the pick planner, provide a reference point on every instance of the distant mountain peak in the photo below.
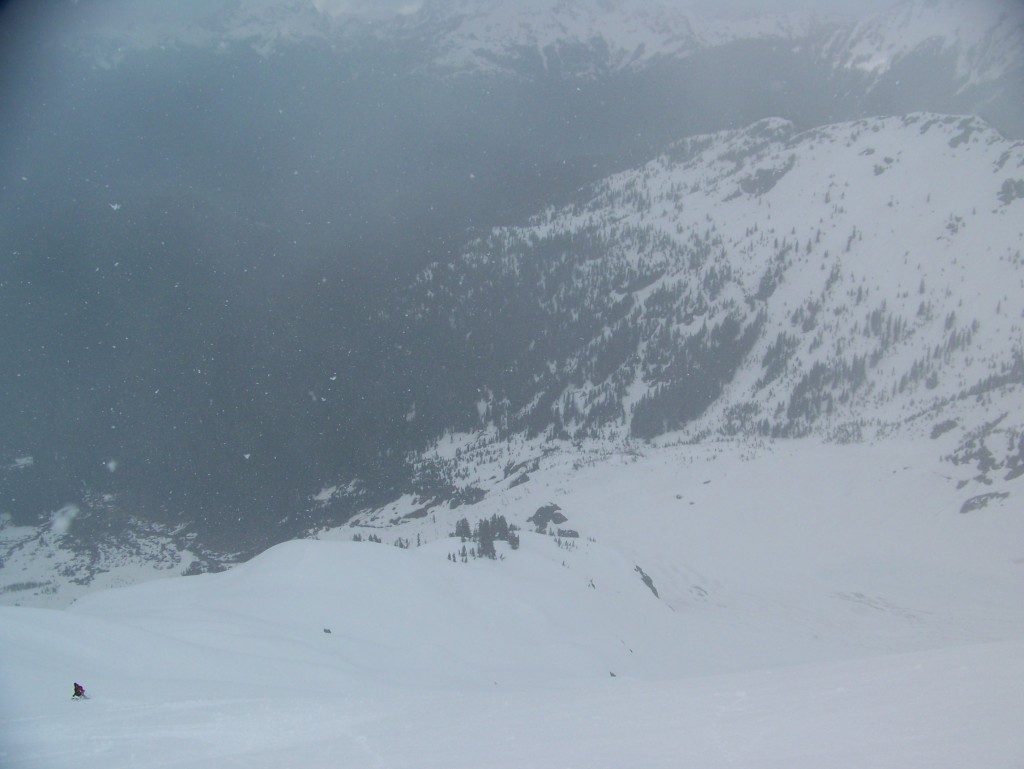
(463, 34)
(486, 35)
(579, 39)
(986, 37)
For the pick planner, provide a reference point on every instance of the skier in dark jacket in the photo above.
(79, 692)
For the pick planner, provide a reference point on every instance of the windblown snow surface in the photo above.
(818, 605)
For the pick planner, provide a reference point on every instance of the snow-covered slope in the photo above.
(771, 552)
(850, 280)
(815, 608)
(943, 709)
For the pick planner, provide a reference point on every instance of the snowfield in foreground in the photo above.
(949, 708)
(818, 606)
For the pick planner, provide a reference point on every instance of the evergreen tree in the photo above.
(485, 535)
(499, 527)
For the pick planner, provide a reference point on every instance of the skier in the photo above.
(79, 692)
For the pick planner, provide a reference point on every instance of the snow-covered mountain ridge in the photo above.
(588, 38)
(986, 38)
(763, 281)
(580, 38)
(462, 35)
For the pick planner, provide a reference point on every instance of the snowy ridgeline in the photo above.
(816, 606)
(585, 38)
(767, 280)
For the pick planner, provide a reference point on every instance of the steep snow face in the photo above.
(986, 38)
(848, 280)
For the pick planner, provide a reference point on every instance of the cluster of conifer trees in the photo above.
(486, 532)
